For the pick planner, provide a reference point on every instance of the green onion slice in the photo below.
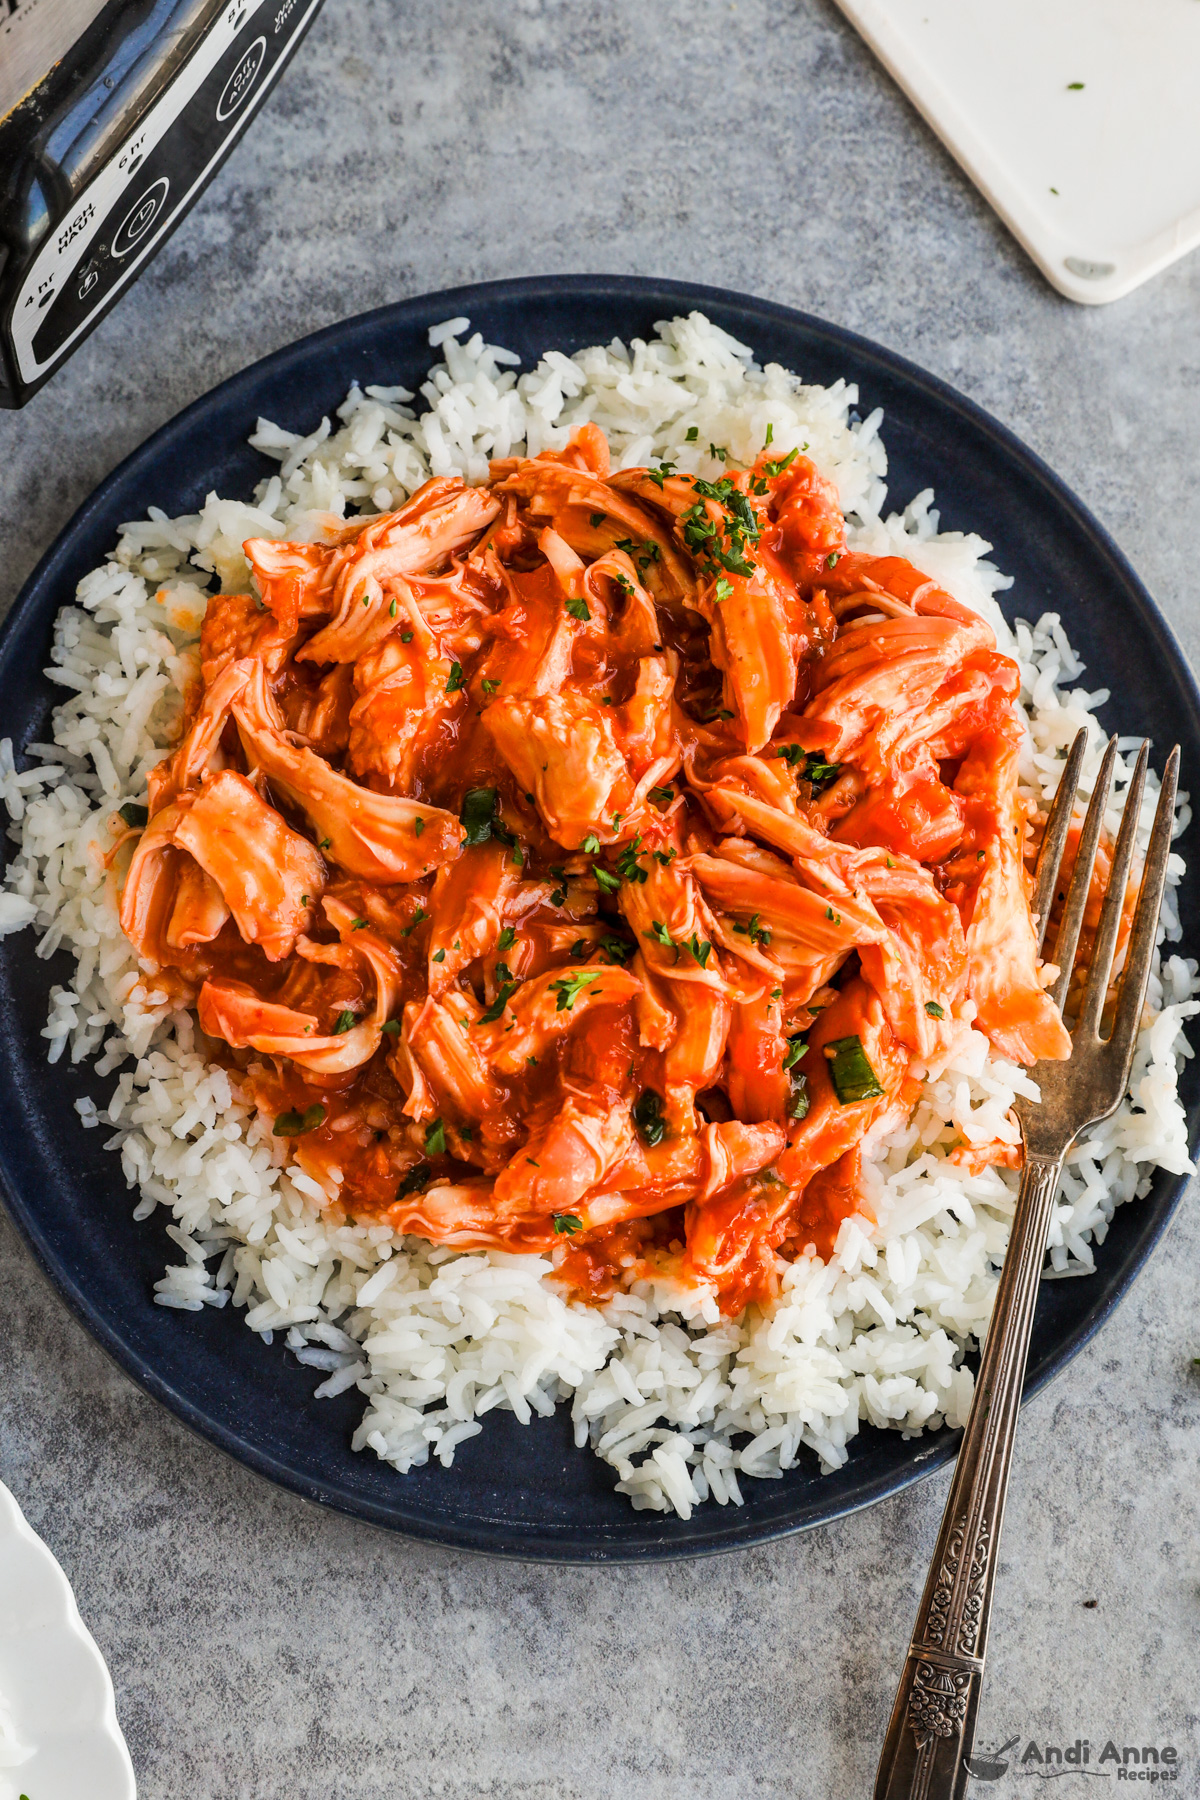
(852, 1075)
(294, 1124)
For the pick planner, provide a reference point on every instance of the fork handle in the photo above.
(932, 1728)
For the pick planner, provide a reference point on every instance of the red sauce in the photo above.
(585, 621)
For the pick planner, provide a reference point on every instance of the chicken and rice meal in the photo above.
(553, 875)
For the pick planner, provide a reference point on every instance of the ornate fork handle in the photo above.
(932, 1727)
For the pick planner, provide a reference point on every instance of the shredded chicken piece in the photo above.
(590, 847)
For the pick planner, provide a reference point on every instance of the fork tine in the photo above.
(1096, 991)
(1054, 838)
(1145, 920)
(1081, 878)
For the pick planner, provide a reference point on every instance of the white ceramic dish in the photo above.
(1077, 119)
(59, 1737)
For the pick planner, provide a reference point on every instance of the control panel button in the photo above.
(140, 217)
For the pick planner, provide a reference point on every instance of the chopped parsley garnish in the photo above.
(438, 956)
(415, 921)
(508, 987)
(816, 770)
(659, 475)
(718, 452)
(647, 1116)
(456, 678)
(478, 814)
(507, 938)
(406, 637)
(774, 469)
(565, 1224)
(646, 553)
(392, 1026)
(724, 589)
(820, 773)
(666, 857)
(735, 562)
(797, 1103)
(607, 880)
(852, 1075)
(1074, 87)
(135, 816)
(489, 687)
(324, 843)
(661, 796)
(699, 951)
(358, 924)
(416, 1178)
(344, 1021)
(934, 1010)
(617, 950)
(559, 897)
(591, 844)
(699, 529)
(628, 866)
(569, 987)
(597, 519)
(579, 609)
(745, 515)
(418, 825)
(295, 1124)
(693, 432)
(833, 559)
(758, 934)
(770, 437)
(797, 1050)
(435, 1139)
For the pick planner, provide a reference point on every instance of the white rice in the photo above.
(683, 1404)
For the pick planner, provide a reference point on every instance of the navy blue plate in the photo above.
(526, 1491)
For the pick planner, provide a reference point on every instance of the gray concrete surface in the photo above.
(262, 1650)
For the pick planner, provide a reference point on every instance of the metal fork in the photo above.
(932, 1729)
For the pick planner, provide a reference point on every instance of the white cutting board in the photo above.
(1123, 151)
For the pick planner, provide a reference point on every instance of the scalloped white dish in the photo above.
(59, 1736)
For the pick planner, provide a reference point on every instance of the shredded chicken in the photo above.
(586, 863)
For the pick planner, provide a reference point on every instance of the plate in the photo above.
(59, 1737)
(525, 1491)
